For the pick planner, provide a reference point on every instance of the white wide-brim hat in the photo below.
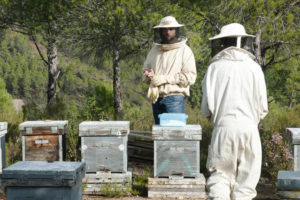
(232, 30)
(168, 22)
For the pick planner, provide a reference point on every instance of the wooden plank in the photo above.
(93, 182)
(180, 158)
(42, 148)
(200, 180)
(200, 195)
(181, 188)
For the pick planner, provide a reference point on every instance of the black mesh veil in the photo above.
(158, 38)
(218, 45)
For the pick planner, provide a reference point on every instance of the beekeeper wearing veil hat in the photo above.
(235, 100)
(169, 68)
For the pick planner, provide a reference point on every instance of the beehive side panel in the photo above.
(42, 148)
(104, 154)
(177, 158)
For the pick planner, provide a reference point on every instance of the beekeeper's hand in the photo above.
(149, 74)
(162, 79)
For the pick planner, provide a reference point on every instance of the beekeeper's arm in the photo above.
(146, 68)
(187, 75)
(204, 104)
(263, 97)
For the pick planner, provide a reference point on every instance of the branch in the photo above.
(134, 50)
(37, 47)
(202, 15)
(281, 61)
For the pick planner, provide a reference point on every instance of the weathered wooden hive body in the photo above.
(43, 140)
(176, 150)
(104, 150)
(177, 163)
(104, 145)
(36, 180)
(3, 132)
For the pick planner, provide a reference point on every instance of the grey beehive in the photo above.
(104, 145)
(296, 143)
(176, 150)
(37, 180)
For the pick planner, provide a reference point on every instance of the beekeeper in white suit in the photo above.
(169, 68)
(235, 100)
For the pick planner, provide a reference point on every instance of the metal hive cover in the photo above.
(44, 170)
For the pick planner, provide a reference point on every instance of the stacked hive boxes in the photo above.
(288, 182)
(36, 180)
(104, 150)
(43, 140)
(177, 163)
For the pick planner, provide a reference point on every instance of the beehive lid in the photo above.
(41, 173)
(188, 132)
(3, 128)
(43, 127)
(288, 180)
(295, 135)
(104, 128)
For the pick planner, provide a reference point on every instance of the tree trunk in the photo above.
(258, 48)
(52, 71)
(116, 83)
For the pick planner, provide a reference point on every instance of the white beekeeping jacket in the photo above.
(234, 89)
(176, 60)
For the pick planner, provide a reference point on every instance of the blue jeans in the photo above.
(169, 104)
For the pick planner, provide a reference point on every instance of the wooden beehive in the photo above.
(43, 140)
(296, 143)
(104, 145)
(3, 131)
(36, 180)
(176, 151)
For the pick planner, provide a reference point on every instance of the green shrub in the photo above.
(277, 148)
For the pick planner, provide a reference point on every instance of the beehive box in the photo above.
(288, 184)
(43, 140)
(296, 143)
(104, 145)
(38, 180)
(176, 150)
(3, 131)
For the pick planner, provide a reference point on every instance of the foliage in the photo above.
(10, 115)
(275, 140)
(114, 190)
(140, 183)
(99, 103)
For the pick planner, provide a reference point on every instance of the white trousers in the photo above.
(234, 161)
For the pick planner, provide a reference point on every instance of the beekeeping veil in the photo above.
(232, 35)
(168, 22)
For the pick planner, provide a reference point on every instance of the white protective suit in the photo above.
(175, 65)
(235, 99)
